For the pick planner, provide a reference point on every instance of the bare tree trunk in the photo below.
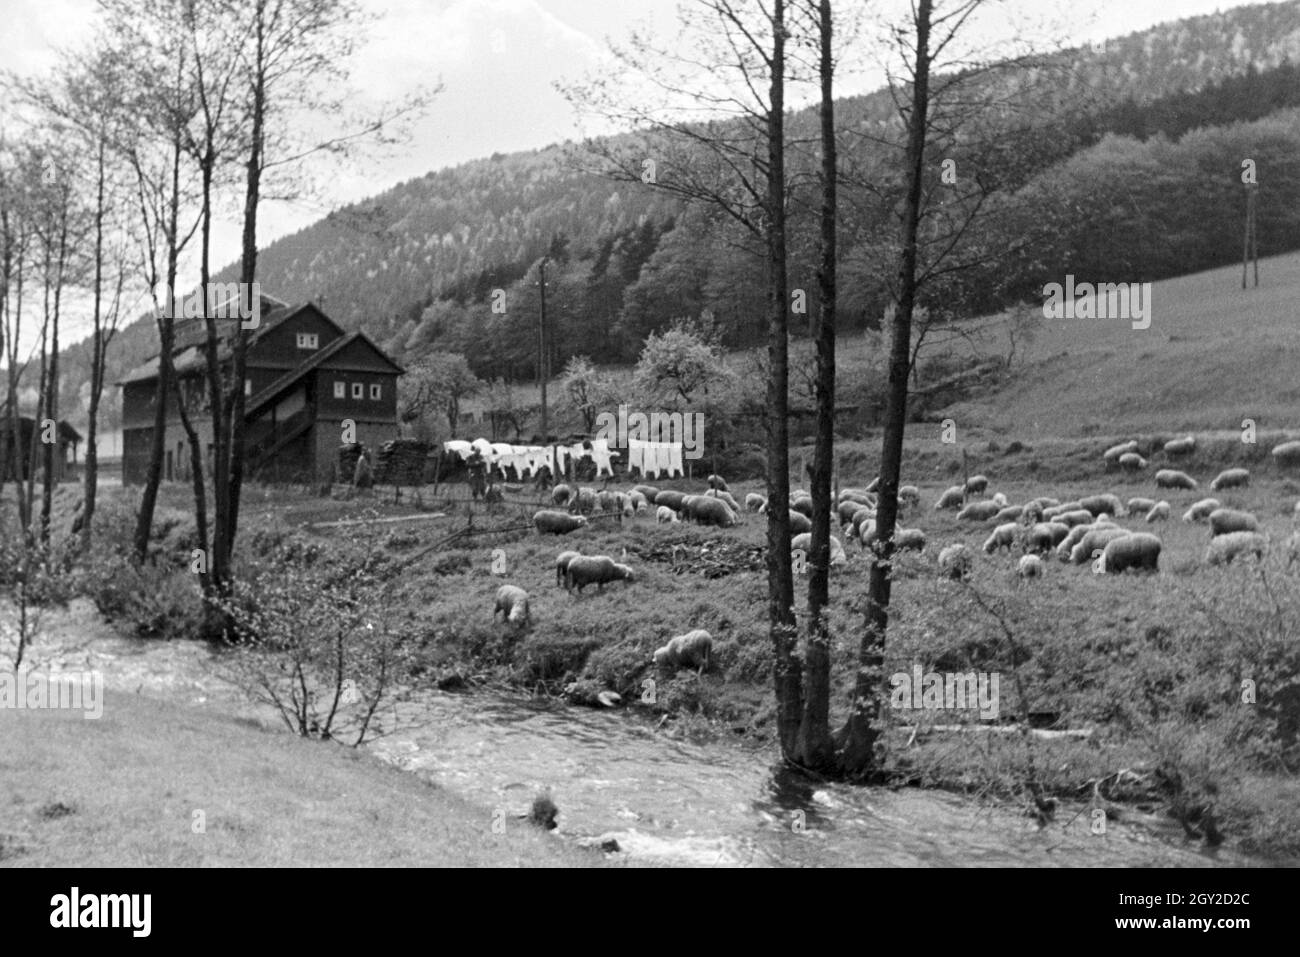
(862, 730)
(787, 671)
(52, 385)
(816, 749)
(98, 347)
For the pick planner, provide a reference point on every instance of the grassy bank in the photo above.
(122, 791)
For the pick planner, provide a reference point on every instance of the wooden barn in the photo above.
(305, 376)
(65, 455)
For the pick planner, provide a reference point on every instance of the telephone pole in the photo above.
(543, 366)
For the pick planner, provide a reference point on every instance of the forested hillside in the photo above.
(1129, 168)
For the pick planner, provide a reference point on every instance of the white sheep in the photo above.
(1201, 510)
(1139, 551)
(1140, 506)
(557, 523)
(1004, 536)
(1181, 446)
(639, 502)
(1224, 548)
(955, 561)
(1012, 513)
(979, 511)
(1045, 536)
(1097, 504)
(1288, 453)
(665, 515)
(598, 570)
(1094, 541)
(718, 482)
(952, 498)
(1078, 517)
(912, 539)
(1159, 512)
(1172, 478)
(909, 495)
(723, 495)
(1113, 453)
(999, 500)
(803, 543)
(690, 650)
(1029, 566)
(1231, 478)
(562, 565)
(1053, 512)
(977, 484)
(754, 502)
(512, 605)
(1225, 520)
(1132, 462)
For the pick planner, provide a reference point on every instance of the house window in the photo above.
(248, 387)
(358, 390)
(340, 390)
(375, 391)
(308, 340)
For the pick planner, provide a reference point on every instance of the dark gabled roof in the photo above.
(318, 359)
(66, 432)
(189, 352)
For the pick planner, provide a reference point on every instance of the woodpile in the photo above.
(401, 462)
(711, 558)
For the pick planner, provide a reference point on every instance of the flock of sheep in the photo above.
(1076, 532)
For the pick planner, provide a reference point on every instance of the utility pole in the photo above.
(543, 366)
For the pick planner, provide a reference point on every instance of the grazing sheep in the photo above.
(1182, 446)
(561, 494)
(952, 498)
(1029, 566)
(978, 512)
(1224, 548)
(847, 509)
(999, 500)
(1032, 514)
(1044, 502)
(718, 482)
(909, 495)
(1097, 504)
(562, 565)
(874, 485)
(557, 523)
(1139, 551)
(859, 495)
(1201, 510)
(607, 501)
(671, 498)
(1045, 536)
(754, 502)
(512, 604)
(1095, 541)
(1231, 478)
(1159, 512)
(1225, 520)
(1132, 462)
(1172, 478)
(584, 502)
(799, 522)
(638, 501)
(665, 515)
(723, 496)
(803, 543)
(867, 533)
(977, 484)
(648, 491)
(1004, 536)
(912, 539)
(690, 650)
(1113, 453)
(860, 516)
(1288, 453)
(1140, 506)
(595, 570)
(1012, 513)
(802, 505)
(1078, 517)
(1066, 545)
(709, 511)
(955, 562)
(1053, 512)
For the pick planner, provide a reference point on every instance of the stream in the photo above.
(664, 801)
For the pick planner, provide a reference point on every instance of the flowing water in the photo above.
(664, 801)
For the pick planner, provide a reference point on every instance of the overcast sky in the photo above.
(498, 61)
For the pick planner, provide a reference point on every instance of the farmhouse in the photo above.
(305, 377)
